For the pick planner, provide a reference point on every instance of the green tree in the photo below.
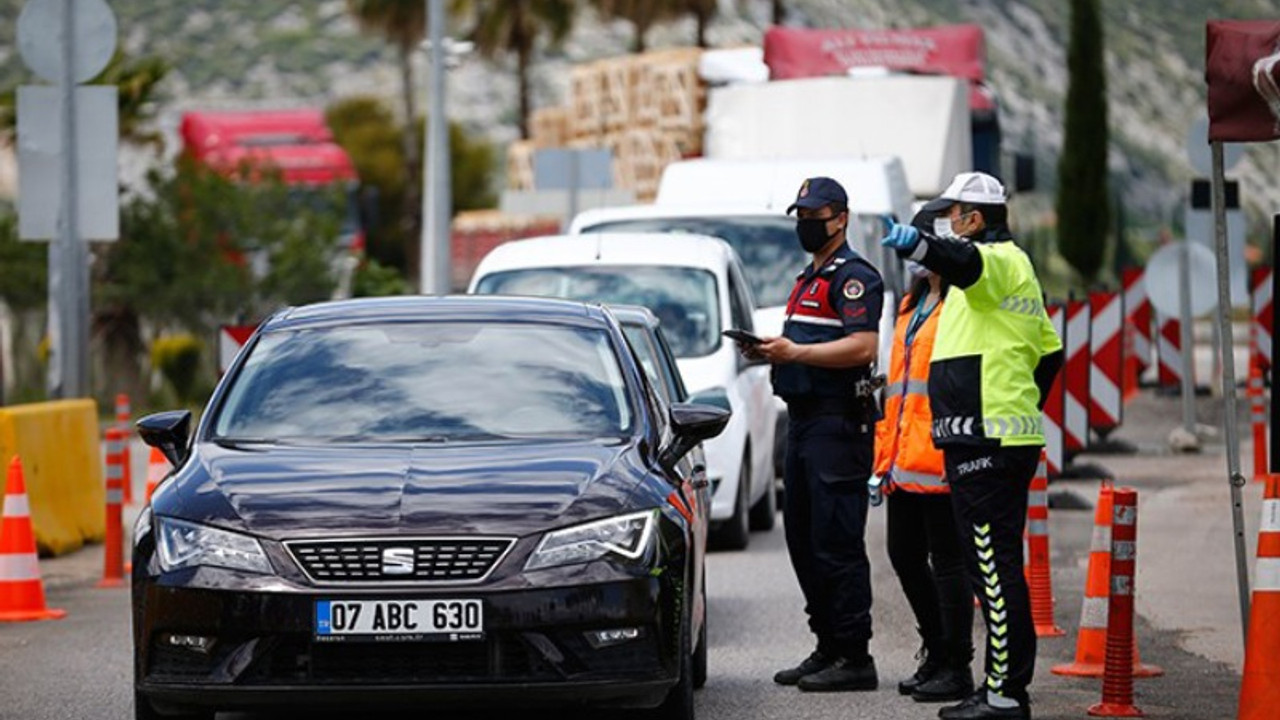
(514, 26)
(1083, 215)
(643, 15)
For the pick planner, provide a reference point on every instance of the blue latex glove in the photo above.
(901, 237)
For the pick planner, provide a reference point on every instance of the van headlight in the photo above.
(624, 536)
(185, 544)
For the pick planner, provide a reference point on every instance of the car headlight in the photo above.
(185, 544)
(624, 536)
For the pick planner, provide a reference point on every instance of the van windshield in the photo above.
(771, 255)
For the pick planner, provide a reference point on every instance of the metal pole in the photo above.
(436, 193)
(68, 261)
(1187, 340)
(1234, 477)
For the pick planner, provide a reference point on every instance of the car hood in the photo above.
(507, 489)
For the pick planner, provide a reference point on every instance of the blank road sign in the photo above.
(40, 158)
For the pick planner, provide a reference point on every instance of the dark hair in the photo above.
(992, 215)
(920, 288)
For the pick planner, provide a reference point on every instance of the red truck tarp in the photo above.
(296, 142)
(952, 50)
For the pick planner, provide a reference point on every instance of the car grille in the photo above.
(434, 560)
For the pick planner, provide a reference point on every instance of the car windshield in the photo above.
(427, 382)
(684, 299)
(771, 256)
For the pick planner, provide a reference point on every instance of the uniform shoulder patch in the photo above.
(853, 289)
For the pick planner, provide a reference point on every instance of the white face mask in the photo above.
(916, 269)
(942, 228)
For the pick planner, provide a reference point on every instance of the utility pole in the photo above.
(436, 186)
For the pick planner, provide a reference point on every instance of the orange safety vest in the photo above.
(905, 455)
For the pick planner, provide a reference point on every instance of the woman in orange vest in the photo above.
(923, 542)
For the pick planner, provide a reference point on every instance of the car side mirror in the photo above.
(169, 431)
(692, 423)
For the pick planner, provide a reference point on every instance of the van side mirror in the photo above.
(692, 423)
(169, 431)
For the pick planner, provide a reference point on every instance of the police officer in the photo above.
(994, 358)
(822, 370)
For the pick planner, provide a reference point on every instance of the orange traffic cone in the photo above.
(1260, 689)
(21, 589)
(1038, 572)
(1091, 641)
(157, 470)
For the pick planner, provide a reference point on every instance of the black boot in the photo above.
(842, 675)
(810, 665)
(954, 681)
(930, 664)
(976, 707)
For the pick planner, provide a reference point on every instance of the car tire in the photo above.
(735, 533)
(678, 704)
(144, 710)
(700, 652)
(764, 514)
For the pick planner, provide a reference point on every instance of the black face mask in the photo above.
(813, 233)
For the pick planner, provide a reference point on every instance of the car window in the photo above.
(685, 300)
(767, 245)
(671, 369)
(428, 381)
(739, 302)
(642, 344)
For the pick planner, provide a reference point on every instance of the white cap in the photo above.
(975, 187)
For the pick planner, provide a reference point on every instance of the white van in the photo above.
(696, 287)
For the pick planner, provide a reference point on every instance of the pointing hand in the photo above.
(901, 237)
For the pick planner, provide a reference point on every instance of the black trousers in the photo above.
(989, 488)
(825, 513)
(925, 550)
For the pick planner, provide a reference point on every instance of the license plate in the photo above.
(399, 620)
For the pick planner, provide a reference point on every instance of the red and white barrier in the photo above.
(1260, 331)
(1137, 329)
(230, 339)
(1076, 377)
(1054, 404)
(1106, 347)
(1169, 351)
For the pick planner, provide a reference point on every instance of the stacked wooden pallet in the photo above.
(647, 109)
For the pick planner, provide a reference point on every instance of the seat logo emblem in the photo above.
(397, 561)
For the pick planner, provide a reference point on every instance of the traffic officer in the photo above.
(923, 543)
(821, 368)
(994, 358)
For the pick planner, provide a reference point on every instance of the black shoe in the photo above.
(930, 667)
(948, 684)
(810, 665)
(842, 675)
(975, 707)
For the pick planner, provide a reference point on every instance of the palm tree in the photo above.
(703, 11)
(503, 26)
(404, 23)
(779, 11)
(643, 14)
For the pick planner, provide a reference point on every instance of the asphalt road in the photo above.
(79, 667)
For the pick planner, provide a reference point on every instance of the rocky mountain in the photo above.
(232, 53)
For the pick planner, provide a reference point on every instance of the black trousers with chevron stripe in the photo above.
(989, 488)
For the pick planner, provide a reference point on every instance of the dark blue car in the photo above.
(466, 501)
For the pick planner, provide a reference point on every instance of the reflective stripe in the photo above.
(917, 478)
(1038, 527)
(19, 567)
(1101, 541)
(1022, 306)
(1122, 550)
(827, 322)
(1268, 575)
(1270, 516)
(1093, 614)
(1122, 585)
(115, 472)
(913, 387)
(1000, 427)
(16, 506)
(115, 496)
(1038, 498)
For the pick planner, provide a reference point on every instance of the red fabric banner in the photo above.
(1242, 68)
(955, 50)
